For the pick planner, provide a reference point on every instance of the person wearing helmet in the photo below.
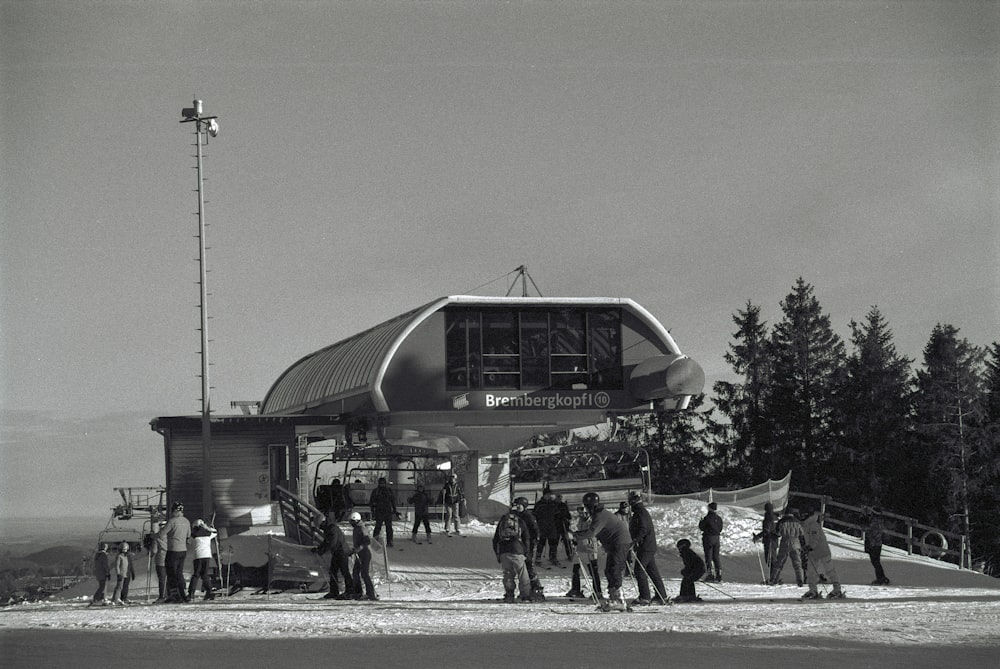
(586, 551)
(335, 542)
(510, 540)
(792, 540)
(643, 534)
(694, 568)
(124, 572)
(382, 502)
(178, 534)
(546, 512)
(613, 535)
(531, 523)
(102, 572)
(711, 531)
(361, 541)
(420, 501)
(768, 534)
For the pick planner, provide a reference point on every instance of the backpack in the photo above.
(510, 528)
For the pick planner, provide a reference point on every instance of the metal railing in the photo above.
(900, 531)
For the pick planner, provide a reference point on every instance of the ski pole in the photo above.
(229, 570)
(662, 595)
(760, 562)
(717, 589)
(149, 562)
(631, 571)
(585, 570)
(819, 580)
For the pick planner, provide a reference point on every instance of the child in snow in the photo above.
(361, 541)
(694, 568)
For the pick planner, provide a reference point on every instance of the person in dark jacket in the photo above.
(521, 504)
(612, 533)
(382, 502)
(102, 572)
(420, 501)
(547, 514)
(335, 542)
(694, 568)
(338, 501)
(711, 531)
(791, 545)
(644, 547)
(874, 533)
(768, 534)
(361, 543)
(564, 519)
(510, 542)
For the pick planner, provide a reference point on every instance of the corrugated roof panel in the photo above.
(346, 368)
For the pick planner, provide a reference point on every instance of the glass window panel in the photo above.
(605, 349)
(534, 349)
(569, 331)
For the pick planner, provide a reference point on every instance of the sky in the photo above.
(692, 156)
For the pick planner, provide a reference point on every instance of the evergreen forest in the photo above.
(853, 420)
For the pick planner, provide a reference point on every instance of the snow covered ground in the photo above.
(451, 587)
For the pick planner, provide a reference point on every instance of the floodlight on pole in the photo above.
(204, 126)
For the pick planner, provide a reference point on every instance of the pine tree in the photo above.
(873, 413)
(808, 365)
(675, 443)
(950, 417)
(742, 442)
(985, 503)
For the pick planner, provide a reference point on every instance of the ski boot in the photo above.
(537, 592)
(837, 593)
(639, 601)
(812, 594)
(575, 594)
(508, 598)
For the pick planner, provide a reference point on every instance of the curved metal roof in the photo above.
(355, 366)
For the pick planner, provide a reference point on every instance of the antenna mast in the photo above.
(204, 126)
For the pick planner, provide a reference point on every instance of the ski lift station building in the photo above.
(459, 382)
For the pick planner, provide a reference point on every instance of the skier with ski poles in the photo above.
(819, 556)
(537, 590)
(510, 541)
(361, 542)
(768, 535)
(790, 531)
(586, 561)
(612, 533)
(694, 568)
(644, 547)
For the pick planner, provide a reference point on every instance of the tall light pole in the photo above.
(204, 127)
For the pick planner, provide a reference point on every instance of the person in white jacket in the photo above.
(820, 557)
(202, 535)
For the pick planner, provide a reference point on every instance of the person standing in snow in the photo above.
(874, 532)
(820, 557)
(159, 550)
(768, 534)
(521, 504)
(694, 568)
(451, 497)
(644, 547)
(711, 537)
(546, 512)
(382, 502)
(202, 536)
(586, 551)
(420, 501)
(178, 533)
(790, 546)
(335, 542)
(123, 572)
(612, 533)
(564, 519)
(102, 572)
(510, 542)
(361, 550)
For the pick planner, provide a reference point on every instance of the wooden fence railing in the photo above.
(900, 531)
